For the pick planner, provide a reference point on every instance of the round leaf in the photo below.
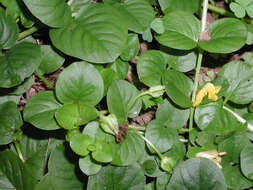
(51, 61)
(126, 178)
(181, 31)
(138, 14)
(129, 151)
(8, 30)
(19, 63)
(120, 67)
(235, 179)
(178, 87)
(120, 100)
(40, 111)
(151, 65)
(71, 116)
(238, 75)
(227, 35)
(94, 36)
(184, 63)
(161, 136)
(54, 13)
(79, 144)
(103, 152)
(88, 166)
(132, 48)
(212, 117)
(171, 115)
(80, 83)
(246, 161)
(238, 10)
(10, 122)
(197, 173)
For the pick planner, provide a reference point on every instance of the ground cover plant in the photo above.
(126, 94)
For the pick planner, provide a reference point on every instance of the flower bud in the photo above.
(109, 124)
(156, 91)
(167, 164)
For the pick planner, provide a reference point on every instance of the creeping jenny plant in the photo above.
(110, 95)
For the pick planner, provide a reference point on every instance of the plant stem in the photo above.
(28, 32)
(44, 80)
(220, 11)
(138, 128)
(16, 144)
(239, 118)
(200, 57)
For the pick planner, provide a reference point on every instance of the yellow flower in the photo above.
(208, 89)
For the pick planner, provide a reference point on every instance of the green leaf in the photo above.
(249, 10)
(160, 135)
(19, 63)
(132, 48)
(138, 14)
(94, 36)
(212, 117)
(121, 102)
(62, 170)
(197, 173)
(151, 66)
(16, 172)
(108, 76)
(171, 115)
(126, 178)
(162, 181)
(190, 6)
(178, 87)
(233, 147)
(238, 75)
(147, 35)
(238, 10)
(129, 151)
(78, 5)
(54, 13)
(80, 83)
(51, 61)
(89, 166)
(235, 179)
(227, 35)
(246, 161)
(150, 168)
(103, 152)
(8, 30)
(71, 116)
(10, 122)
(45, 183)
(79, 144)
(40, 111)
(5, 184)
(157, 25)
(181, 31)
(120, 67)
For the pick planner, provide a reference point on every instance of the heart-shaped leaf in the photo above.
(212, 117)
(51, 61)
(181, 31)
(10, 122)
(151, 66)
(54, 13)
(160, 135)
(80, 83)
(40, 111)
(178, 87)
(129, 151)
(89, 166)
(71, 116)
(227, 35)
(138, 14)
(103, 152)
(127, 178)
(94, 36)
(19, 63)
(121, 100)
(79, 144)
(197, 173)
(171, 115)
(8, 30)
